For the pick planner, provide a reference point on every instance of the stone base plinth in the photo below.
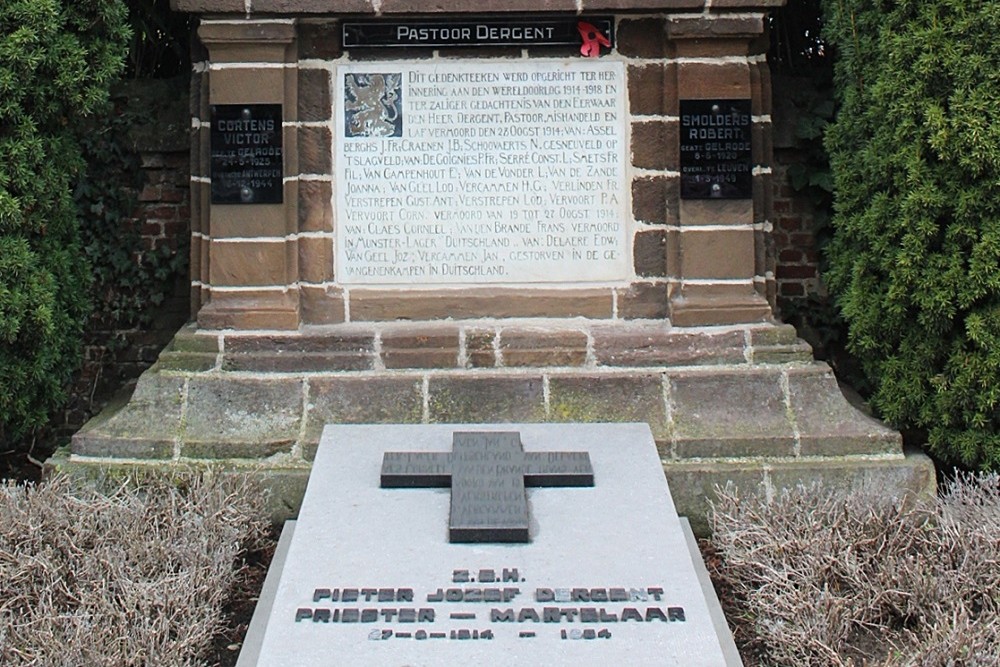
(746, 403)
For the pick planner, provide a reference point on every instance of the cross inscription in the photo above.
(487, 472)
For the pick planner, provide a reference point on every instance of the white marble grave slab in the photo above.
(621, 537)
(457, 173)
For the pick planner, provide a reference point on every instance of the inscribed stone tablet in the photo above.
(247, 161)
(716, 149)
(372, 579)
(473, 173)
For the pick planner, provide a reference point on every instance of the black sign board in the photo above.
(246, 154)
(487, 473)
(573, 30)
(716, 154)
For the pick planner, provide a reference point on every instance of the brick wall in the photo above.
(112, 357)
(794, 220)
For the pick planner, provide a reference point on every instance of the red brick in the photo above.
(172, 195)
(789, 224)
(792, 289)
(787, 271)
(150, 193)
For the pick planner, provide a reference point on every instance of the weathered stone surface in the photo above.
(643, 301)
(361, 400)
(314, 95)
(170, 360)
(778, 344)
(315, 152)
(693, 483)
(698, 305)
(251, 309)
(144, 425)
(649, 252)
(479, 350)
(760, 81)
(311, 353)
(190, 351)
(716, 212)
(243, 222)
(315, 258)
(774, 334)
(382, 305)
(828, 423)
(486, 399)
(693, 487)
(703, 81)
(538, 347)
(655, 200)
(642, 38)
(763, 147)
(234, 450)
(248, 263)
(416, 347)
(229, 410)
(255, 33)
(229, 86)
(652, 89)
(655, 145)
(610, 398)
(722, 254)
(746, 4)
(659, 345)
(709, 48)
(799, 351)
(322, 304)
(207, 5)
(707, 26)
(319, 40)
(315, 210)
(730, 414)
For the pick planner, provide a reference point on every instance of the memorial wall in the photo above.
(463, 173)
(610, 167)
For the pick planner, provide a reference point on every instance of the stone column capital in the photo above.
(748, 25)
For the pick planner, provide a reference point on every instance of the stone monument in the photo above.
(504, 212)
(605, 572)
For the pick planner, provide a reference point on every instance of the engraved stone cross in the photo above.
(487, 473)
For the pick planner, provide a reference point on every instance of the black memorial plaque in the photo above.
(487, 473)
(247, 164)
(481, 32)
(716, 150)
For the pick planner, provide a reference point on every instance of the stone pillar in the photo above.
(245, 257)
(719, 255)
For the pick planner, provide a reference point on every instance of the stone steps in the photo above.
(481, 344)
(723, 403)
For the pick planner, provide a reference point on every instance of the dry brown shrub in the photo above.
(830, 577)
(136, 575)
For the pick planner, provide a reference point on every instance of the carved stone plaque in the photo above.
(246, 161)
(716, 150)
(473, 173)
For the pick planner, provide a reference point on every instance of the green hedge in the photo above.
(57, 59)
(915, 259)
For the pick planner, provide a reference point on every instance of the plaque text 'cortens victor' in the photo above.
(487, 473)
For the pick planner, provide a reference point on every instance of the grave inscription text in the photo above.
(481, 173)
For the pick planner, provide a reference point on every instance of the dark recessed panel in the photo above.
(573, 30)
(247, 164)
(716, 150)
